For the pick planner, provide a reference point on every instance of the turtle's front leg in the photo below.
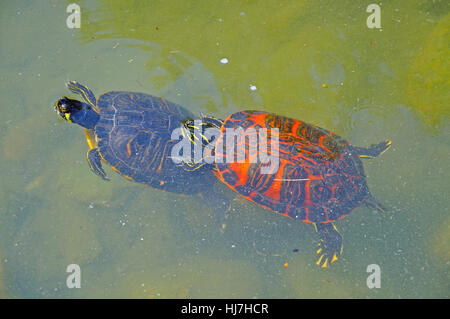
(94, 160)
(330, 244)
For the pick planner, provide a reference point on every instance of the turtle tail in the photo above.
(373, 150)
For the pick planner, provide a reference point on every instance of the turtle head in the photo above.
(78, 112)
(195, 129)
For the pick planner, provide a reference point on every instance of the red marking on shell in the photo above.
(302, 148)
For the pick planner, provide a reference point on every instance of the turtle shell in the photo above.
(320, 178)
(134, 137)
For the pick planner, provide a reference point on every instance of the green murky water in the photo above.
(312, 60)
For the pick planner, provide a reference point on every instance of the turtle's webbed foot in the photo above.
(326, 254)
(330, 245)
(95, 163)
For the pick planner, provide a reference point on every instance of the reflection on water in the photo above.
(314, 62)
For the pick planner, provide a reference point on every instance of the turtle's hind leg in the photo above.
(373, 203)
(330, 244)
(374, 150)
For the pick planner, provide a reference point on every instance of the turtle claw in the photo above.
(330, 245)
(326, 256)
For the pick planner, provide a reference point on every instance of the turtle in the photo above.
(131, 131)
(319, 177)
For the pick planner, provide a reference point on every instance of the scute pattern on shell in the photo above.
(319, 179)
(134, 137)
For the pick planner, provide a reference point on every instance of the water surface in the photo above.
(316, 61)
